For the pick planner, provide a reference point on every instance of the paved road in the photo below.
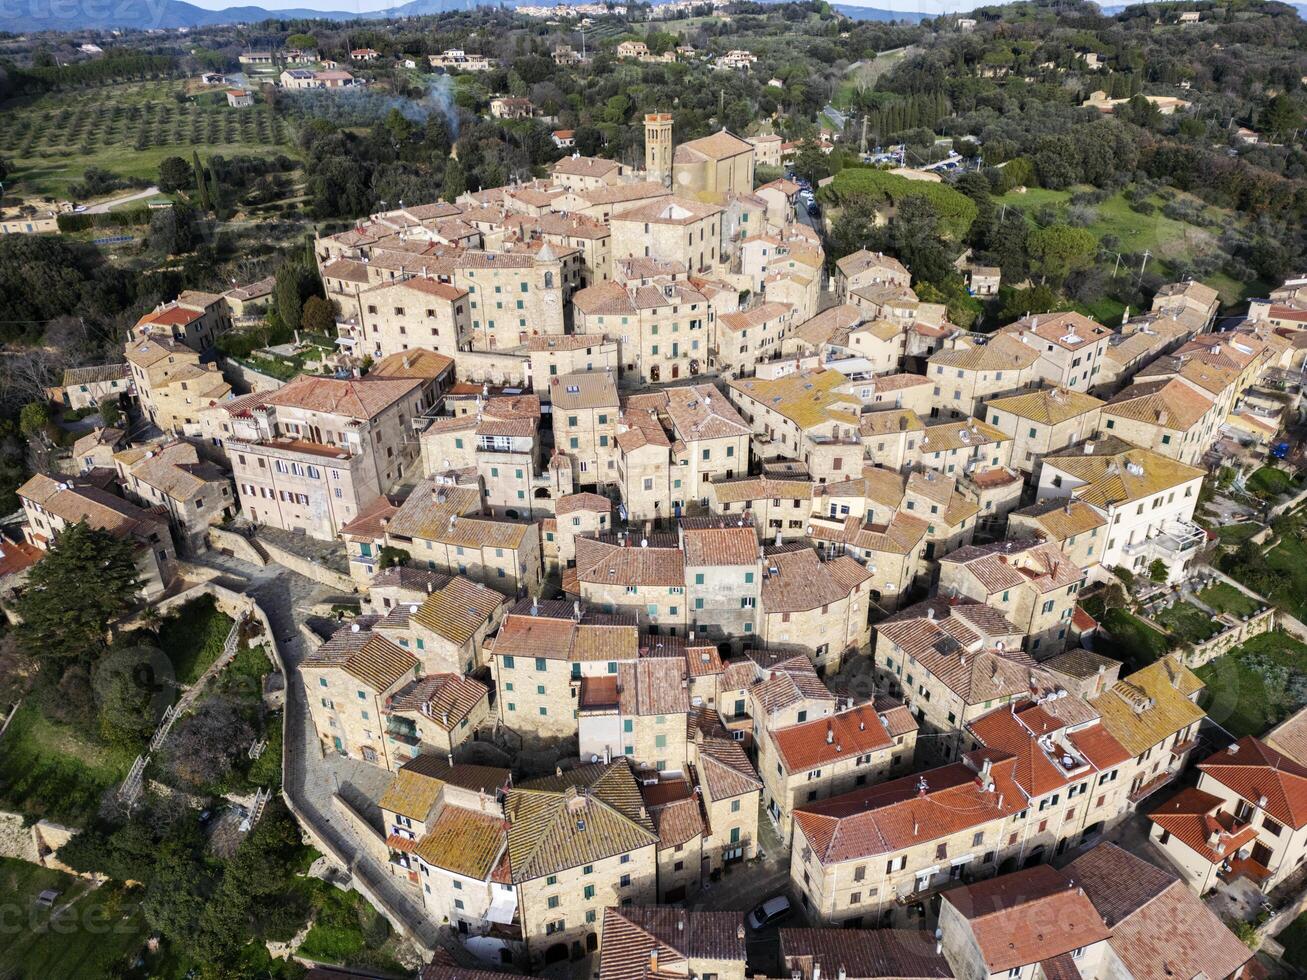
(311, 778)
(125, 199)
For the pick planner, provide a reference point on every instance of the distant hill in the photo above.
(172, 14)
(877, 13)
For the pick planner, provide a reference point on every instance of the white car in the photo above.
(770, 911)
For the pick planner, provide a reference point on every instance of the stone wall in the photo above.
(309, 569)
(1230, 637)
(493, 367)
(356, 823)
(238, 545)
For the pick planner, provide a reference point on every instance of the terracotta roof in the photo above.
(702, 412)
(802, 581)
(1159, 927)
(653, 686)
(736, 544)
(862, 260)
(1024, 729)
(681, 211)
(93, 373)
(720, 145)
(464, 842)
(579, 166)
(677, 822)
(897, 814)
(1254, 770)
(1000, 353)
(1169, 404)
(1197, 820)
(1289, 737)
(356, 398)
(1151, 705)
(1062, 519)
(444, 699)
(605, 563)
(416, 363)
(72, 502)
(822, 741)
(725, 769)
(1003, 565)
(583, 390)
(1047, 406)
(577, 818)
(593, 502)
(864, 954)
(635, 937)
(1027, 917)
(458, 609)
(367, 657)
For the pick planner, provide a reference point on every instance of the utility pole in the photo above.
(863, 146)
(1143, 263)
(1116, 265)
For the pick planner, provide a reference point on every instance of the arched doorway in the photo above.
(591, 942)
(654, 373)
(542, 493)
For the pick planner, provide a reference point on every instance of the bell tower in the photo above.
(658, 147)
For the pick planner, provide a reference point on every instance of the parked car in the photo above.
(814, 209)
(770, 912)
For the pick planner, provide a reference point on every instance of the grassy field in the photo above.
(128, 129)
(102, 928)
(1227, 599)
(1187, 622)
(50, 771)
(1256, 685)
(1294, 941)
(1132, 641)
(1165, 239)
(1270, 482)
(1237, 533)
(349, 932)
(193, 638)
(863, 75)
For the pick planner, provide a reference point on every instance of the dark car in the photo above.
(814, 209)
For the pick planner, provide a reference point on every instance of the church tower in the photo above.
(658, 147)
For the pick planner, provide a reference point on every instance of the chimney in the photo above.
(816, 971)
(450, 758)
(830, 734)
(653, 960)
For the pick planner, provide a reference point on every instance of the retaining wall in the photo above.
(238, 544)
(310, 570)
(1230, 637)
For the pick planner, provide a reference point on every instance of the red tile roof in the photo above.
(1254, 770)
(825, 740)
(912, 810)
(1196, 820)
(1028, 917)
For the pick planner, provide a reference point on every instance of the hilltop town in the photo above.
(699, 562)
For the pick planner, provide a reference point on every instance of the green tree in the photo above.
(1058, 249)
(305, 42)
(33, 419)
(319, 315)
(1158, 571)
(124, 686)
(85, 581)
(455, 183)
(111, 412)
(1281, 116)
(295, 283)
(175, 174)
(201, 181)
